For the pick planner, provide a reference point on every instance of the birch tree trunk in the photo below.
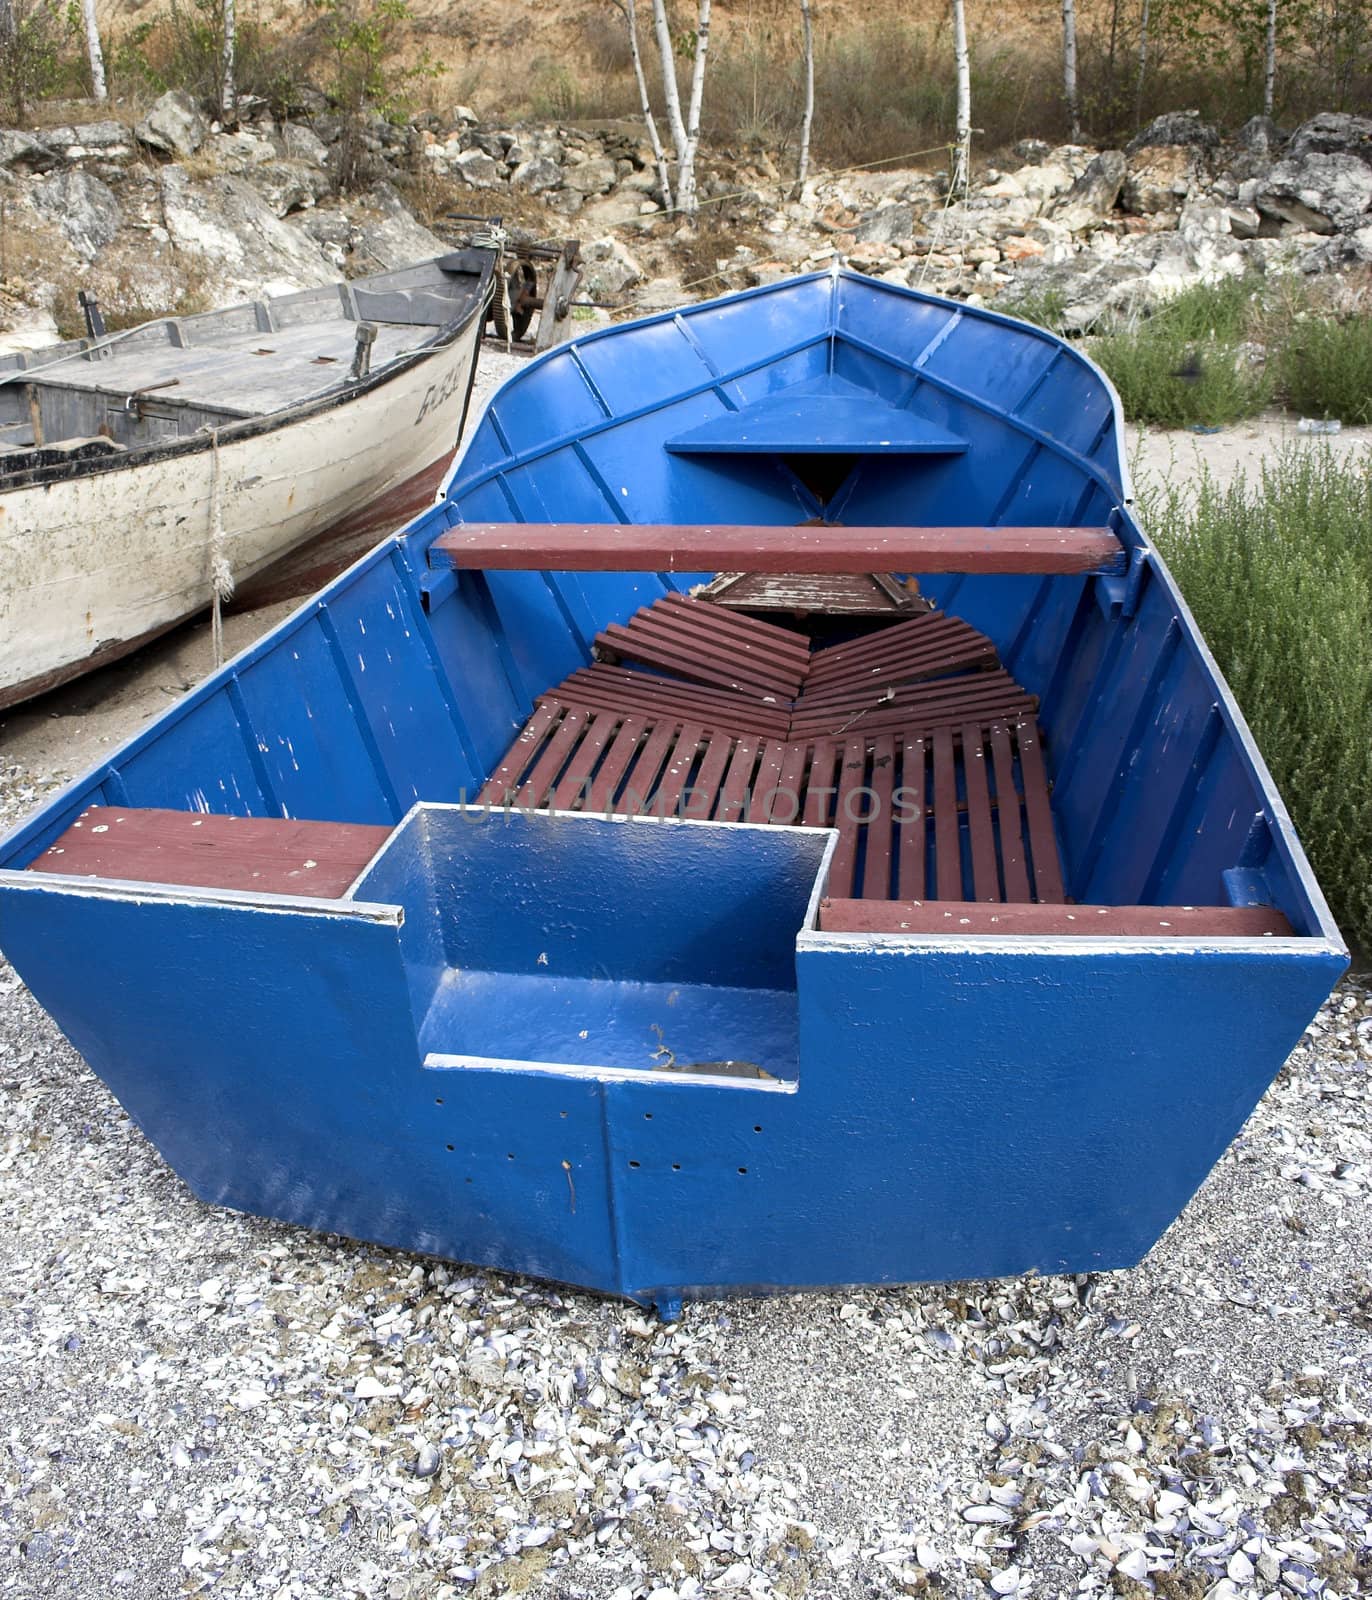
(962, 154)
(670, 97)
(228, 93)
(1269, 82)
(686, 160)
(664, 177)
(93, 50)
(1069, 67)
(685, 130)
(1143, 63)
(807, 119)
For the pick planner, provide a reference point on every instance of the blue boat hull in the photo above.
(465, 1054)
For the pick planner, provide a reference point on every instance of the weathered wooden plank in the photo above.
(641, 547)
(503, 782)
(851, 773)
(638, 791)
(913, 831)
(192, 849)
(947, 822)
(576, 780)
(623, 746)
(980, 826)
(677, 771)
(1012, 856)
(1043, 839)
(876, 866)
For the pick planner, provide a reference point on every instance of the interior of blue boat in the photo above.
(1007, 727)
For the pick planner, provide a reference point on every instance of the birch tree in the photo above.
(1069, 67)
(228, 93)
(808, 117)
(1269, 81)
(93, 50)
(962, 153)
(629, 11)
(1143, 62)
(685, 129)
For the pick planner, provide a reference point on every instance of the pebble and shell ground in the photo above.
(197, 1402)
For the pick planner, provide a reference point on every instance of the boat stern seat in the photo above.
(1052, 921)
(200, 850)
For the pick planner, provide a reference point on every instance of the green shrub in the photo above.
(1325, 368)
(1279, 575)
(1044, 310)
(1188, 363)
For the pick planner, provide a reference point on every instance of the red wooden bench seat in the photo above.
(1116, 922)
(672, 547)
(192, 849)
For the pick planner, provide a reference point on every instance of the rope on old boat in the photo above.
(221, 575)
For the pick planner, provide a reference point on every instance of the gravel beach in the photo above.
(198, 1402)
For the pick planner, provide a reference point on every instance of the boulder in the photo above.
(84, 208)
(536, 174)
(1032, 152)
(1092, 197)
(596, 176)
(885, 225)
(105, 141)
(1019, 247)
(477, 168)
(1244, 222)
(1321, 193)
(26, 152)
(1332, 133)
(490, 144)
(290, 186)
(566, 202)
(1159, 179)
(387, 234)
(1043, 181)
(1259, 136)
(608, 269)
(616, 210)
(246, 249)
(174, 124)
(1174, 127)
(299, 143)
(239, 152)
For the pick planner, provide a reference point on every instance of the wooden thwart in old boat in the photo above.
(668, 949)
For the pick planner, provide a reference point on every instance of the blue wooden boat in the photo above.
(910, 903)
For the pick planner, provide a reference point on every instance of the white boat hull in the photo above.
(96, 564)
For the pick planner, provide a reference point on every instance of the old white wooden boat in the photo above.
(138, 470)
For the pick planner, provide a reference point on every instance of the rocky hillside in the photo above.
(170, 213)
